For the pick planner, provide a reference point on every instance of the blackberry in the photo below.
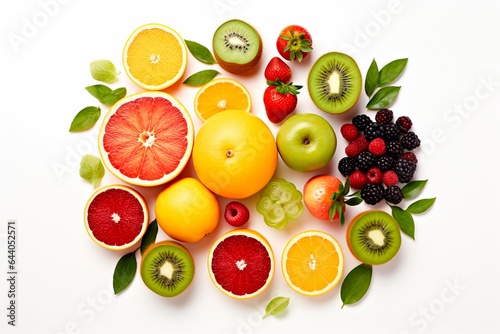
(405, 170)
(346, 166)
(410, 140)
(394, 149)
(361, 121)
(410, 156)
(393, 194)
(372, 131)
(372, 193)
(404, 123)
(384, 116)
(390, 132)
(365, 160)
(385, 163)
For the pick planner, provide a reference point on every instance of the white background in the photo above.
(446, 281)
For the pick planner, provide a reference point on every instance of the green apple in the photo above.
(306, 142)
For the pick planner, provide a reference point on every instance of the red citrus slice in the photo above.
(146, 138)
(116, 217)
(241, 263)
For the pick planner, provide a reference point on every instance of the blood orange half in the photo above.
(146, 138)
(241, 263)
(116, 217)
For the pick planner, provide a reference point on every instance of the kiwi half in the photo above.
(167, 268)
(374, 237)
(237, 46)
(334, 82)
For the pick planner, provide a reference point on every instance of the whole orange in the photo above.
(318, 191)
(235, 154)
(186, 210)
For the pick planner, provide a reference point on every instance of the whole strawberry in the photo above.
(280, 100)
(276, 70)
(294, 43)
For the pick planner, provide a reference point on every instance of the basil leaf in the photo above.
(421, 206)
(98, 90)
(113, 96)
(383, 98)
(200, 78)
(276, 306)
(200, 52)
(372, 78)
(85, 119)
(405, 221)
(356, 284)
(91, 169)
(124, 272)
(150, 236)
(391, 71)
(413, 188)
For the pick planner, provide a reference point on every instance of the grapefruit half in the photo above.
(146, 139)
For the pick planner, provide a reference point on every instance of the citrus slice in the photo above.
(221, 94)
(146, 138)
(312, 263)
(155, 56)
(116, 217)
(241, 263)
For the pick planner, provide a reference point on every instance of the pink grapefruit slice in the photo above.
(241, 263)
(146, 139)
(116, 217)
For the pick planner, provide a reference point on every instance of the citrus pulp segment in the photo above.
(146, 138)
(155, 56)
(116, 217)
(312, 263)
(221, 94)
(241, 263)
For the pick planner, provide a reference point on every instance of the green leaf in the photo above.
(405, 221)
(413, 188)
(92, 169)
(356, 284)
(383, 98)
(200, 52)
(354, 201)
(421, 206)
(98, 90)
(106, 95)
(371, 81)
(85, 119)
(103, 70)
(200, 78)
(150, 236)
(124, 272)
(391, 71)
(276, 306)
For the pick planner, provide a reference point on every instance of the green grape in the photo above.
(280, 202)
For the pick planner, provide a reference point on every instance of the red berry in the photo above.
(349, 131)
(236, 213)
(390, 178)
(410, 156)
(356, 146)
(374, 175)
(358, 179)
(377, 146)
(276, 70)
(404, 123)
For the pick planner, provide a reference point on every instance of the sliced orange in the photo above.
(155, 56)
(221, 94)
(312, 263)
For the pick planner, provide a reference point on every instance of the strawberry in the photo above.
(280, 100)
(277, 69)
(294, 43)
(236, 213)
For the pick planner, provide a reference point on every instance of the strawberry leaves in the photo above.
(340, 199)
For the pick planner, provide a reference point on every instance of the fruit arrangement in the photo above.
(147, 138)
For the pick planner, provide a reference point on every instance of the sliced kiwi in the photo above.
(237, 46)
(374, 237)
(334, 82)
(167, 268)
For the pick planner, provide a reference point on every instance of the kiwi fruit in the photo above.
(374, 237)
(237, 46)
(334, 82)
(167, 268)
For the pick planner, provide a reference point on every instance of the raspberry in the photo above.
(404, 123)
(346, 165)
(377, 146)
(394, 149)
(365, 160)
(374, 175)
(357, 146)
(361, 121)
(390, 178)
(393, 194)
(236, 213)
(385, 163)
(372, 131)
(372, 193)
(384, 116)
(390, 132)
(410, 156)
(405, 170)
(349, 131)
(410, 140)
(357, 179)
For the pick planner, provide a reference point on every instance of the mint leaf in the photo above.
(124, 272)
(103, 70)
(150, 236)
(383, 98)
(405, 221)
(391, 71)
(413, 188)
(356, 284)
(421, 206)
(372, 79)
(98, 90)
(85, 119)
(200, 52)
(276, 306)
(200, 78)
(106, 95)
(92, 169)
